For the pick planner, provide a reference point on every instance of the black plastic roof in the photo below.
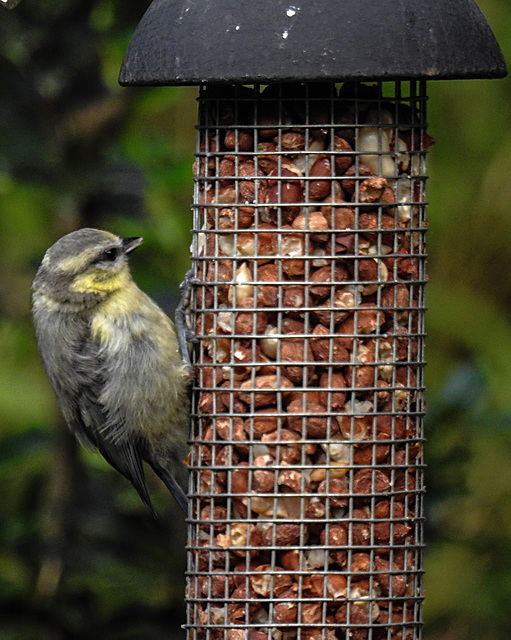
(246, 41)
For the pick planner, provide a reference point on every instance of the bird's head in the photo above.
(84, 267)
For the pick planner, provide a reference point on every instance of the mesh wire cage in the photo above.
(306, 457)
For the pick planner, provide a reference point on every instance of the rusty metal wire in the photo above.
(306, 458)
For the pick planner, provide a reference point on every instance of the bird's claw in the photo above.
(185, 333)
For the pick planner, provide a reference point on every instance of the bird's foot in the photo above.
(185, 333)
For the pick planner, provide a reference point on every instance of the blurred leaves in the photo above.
(468, 562)
(79, 556)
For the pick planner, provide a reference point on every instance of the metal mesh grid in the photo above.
(306, 457)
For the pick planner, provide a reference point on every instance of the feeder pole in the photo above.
(306, 459)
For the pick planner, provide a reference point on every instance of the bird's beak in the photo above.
(131, 243)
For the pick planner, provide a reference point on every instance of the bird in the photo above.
(113, 358)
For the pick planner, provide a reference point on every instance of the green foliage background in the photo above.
(79, 556)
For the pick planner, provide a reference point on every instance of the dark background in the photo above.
(80, 557)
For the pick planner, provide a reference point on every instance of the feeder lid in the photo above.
(247, 41)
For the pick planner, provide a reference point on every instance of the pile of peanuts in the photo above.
(306, 458)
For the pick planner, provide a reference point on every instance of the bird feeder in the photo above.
(306, 460)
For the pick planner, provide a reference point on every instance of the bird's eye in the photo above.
(109, 255)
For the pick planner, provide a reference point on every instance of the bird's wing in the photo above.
(89, 421)
(122, 454)
(77, 372)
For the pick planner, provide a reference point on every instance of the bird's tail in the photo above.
(172, 485)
